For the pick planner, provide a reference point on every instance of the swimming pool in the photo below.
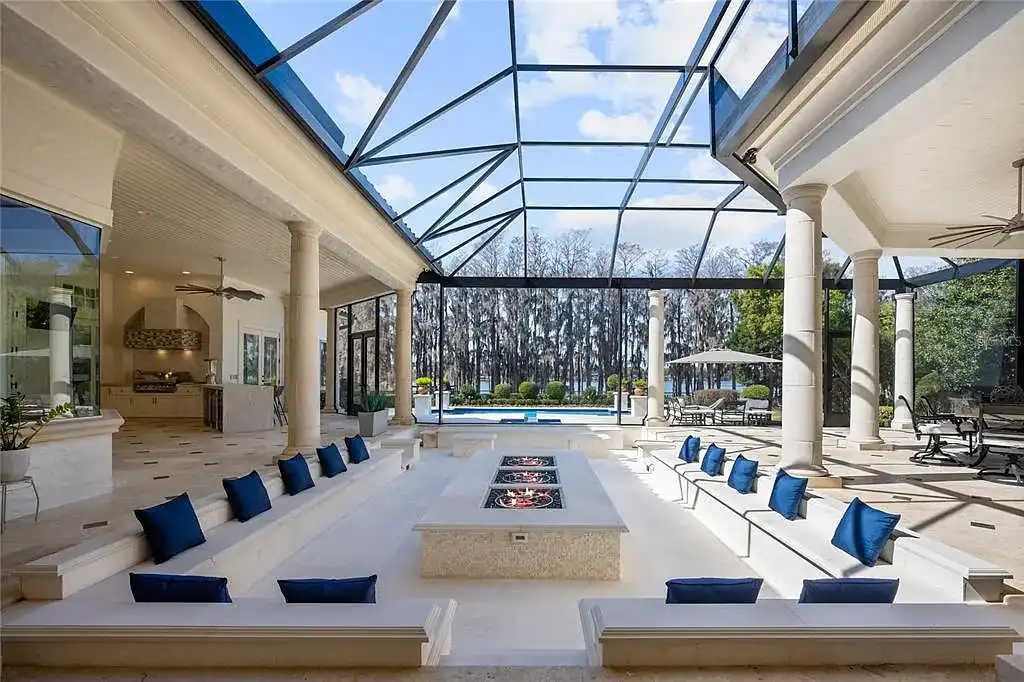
(583, 411)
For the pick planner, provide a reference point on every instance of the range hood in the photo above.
(164, 327)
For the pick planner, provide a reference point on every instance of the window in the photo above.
(49, 307)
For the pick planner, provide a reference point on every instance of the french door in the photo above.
(261, 357)
(362, 369)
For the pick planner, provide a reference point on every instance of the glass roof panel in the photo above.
(759, 34)
(680, 195)
(581, 162)
(349, 72)
(609, 107)
(286, 22)
(667, 231)
(575, 193)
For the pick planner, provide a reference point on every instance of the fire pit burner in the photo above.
(528, 461)
(524, 498)
(527, 476)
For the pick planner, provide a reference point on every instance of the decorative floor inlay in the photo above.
(979, 524)
(210, 464)
(93, 524)
(524, 498)
(528, 461)
(158, 478)
(152, 462)
(527, 476)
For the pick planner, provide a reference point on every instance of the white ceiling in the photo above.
(168, 218)
(954, 165)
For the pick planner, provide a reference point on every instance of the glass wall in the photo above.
(49, 307)
(365, 335)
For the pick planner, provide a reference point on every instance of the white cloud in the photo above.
(360, 98)
(483, 191)
(596, 125)
(396, 188)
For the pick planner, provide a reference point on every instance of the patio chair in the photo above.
(936, 429)
(758, 412)
(280, 417)
(733, 413)
(1005, 435)
(699, 414)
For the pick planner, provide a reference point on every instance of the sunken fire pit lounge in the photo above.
(515, 515)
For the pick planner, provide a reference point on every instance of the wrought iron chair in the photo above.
(1004, 434)
(733, 413)
(936, 428)
(280, 417)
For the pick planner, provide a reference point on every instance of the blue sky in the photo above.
(351, 70)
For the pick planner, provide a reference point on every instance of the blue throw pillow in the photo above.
(863, 531)
(331, 461)
(247, 496)
(689, 449)
(713, 590)
(330, 591)
(742, 475)
(849, 591)
(195, 589)
(295, 474)
(357, 451)
(786, 495)
(714, 458)
(170, 528)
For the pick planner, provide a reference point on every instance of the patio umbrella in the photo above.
(723, 356)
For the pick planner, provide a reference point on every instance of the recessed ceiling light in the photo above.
(129, 272)
(186, 272)
(141, 212)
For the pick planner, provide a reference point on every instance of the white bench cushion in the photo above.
(250, 633)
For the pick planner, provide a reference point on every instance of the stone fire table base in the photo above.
(546, 554)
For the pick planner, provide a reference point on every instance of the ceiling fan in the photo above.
(227, 292)
(1005, 228)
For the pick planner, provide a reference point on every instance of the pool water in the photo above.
(527, 413)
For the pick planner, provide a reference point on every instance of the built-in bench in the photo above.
(249, 633)
(594, 444)
(466, 443)
(409, 443)
(648, 633)
(791, 551)
(238, 551)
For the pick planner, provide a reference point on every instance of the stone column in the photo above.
(903, 378)
(60, 346)
(656, 359)
(403, 358)
(331, 400)
(304, 315)
(801, 334)
(864, 373)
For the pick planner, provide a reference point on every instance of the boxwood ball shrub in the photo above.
(612, 382)
(502, 391)
(555, 390)
(756, 392)
(469, 392)
(589, 396)
(528, 389)
(885, 416)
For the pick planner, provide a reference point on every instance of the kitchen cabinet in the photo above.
(186, 403)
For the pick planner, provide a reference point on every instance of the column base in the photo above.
(902, 425)
(865, 445)
(655, 422)
(401, 421)
(817, 476)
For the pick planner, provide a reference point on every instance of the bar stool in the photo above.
(21, 483)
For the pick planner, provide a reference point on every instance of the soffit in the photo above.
(168, 218)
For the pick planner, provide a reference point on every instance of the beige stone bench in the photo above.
(465, 444)
(791, 551)
(648, 633)
(240, 552)
(249, 633)
(408, 444)
(593, 444)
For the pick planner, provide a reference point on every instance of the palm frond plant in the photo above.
(374, 402)
(373, 414)
(17, 428)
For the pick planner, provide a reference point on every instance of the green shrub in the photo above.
(756, 392)
(706, 396)
(469, 391)
(374, 402)
(612, 382)
(555, 390)
(640, 383)
(589, 396)
(528, 389)
(515, 398)
(424, 381)
(502, 391)
(885, 416)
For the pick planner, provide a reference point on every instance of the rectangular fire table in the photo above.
(515, 514)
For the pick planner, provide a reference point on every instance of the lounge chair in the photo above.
(733, 413)
(936, 428)
(758, 412)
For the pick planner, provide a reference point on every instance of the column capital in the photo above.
(304, 229)
(813, 191)
(868, 254)
(656, 295)
(906, 296)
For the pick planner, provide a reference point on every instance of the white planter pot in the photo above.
(14, 464)
(373, 423)
(421, 406)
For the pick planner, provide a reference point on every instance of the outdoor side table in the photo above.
(22, 483)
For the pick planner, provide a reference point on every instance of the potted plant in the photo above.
(15, 457)
(423, 385)
(373, 414)
(639, 387)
